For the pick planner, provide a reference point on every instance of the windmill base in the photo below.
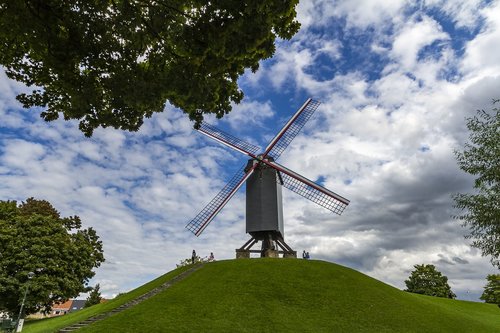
(270, 248)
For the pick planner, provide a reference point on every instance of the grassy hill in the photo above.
(286, 295)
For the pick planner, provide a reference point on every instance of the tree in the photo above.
(481, 158)
(426, 280)
(112, 63)
(491, 293)
(94, 296)
(35, 238)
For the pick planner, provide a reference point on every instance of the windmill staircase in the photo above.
(133, 302)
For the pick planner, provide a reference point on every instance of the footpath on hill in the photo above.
(85, 317)
(128, 305)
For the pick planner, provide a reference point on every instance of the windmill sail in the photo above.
(229, 140)
(291, 129)
(312, 191)
(201, 221)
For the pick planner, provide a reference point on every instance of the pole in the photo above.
(20, 321)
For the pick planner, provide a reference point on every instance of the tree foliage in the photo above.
(35, 238)
(481, 158)
(94, 296)
(491, 293)
(112, 63)
(427, 280)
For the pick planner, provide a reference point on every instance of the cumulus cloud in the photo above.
(250, 114)
(412, 37)
(463, 13)
(481, 53)
(358, 14)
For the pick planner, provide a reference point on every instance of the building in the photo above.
(69, 306)
(60, 309)
(77, 304)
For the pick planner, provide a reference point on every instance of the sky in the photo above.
(396, 80)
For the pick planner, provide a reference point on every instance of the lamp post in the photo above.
(20, 321)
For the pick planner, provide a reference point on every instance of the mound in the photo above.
(290, 295)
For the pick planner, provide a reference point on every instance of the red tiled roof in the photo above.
(64, 306)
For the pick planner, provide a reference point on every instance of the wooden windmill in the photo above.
(264, 179)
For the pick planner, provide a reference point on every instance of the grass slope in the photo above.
(289, 295)
(56, 323)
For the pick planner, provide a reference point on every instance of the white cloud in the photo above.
(249, 114)
(22, 154)
(361, 13)
(482, 53)
(413, 37)
(462, 12)
(290, 66)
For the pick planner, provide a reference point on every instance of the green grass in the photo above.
(56, 323)
(289, 295)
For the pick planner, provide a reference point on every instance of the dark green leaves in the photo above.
(94, 296)
(34, 238)
(481, 158)
(426, 280)
(491, 293)
(112, 63)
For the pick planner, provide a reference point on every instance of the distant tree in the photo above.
(35, 238)
(94, 296)
(112, 63)
(481, 158)
(427, 280)
(491, 293)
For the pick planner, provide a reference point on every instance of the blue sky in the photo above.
(396, 81)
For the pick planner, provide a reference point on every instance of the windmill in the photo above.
(264, 179)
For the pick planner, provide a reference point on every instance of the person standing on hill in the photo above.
(193, 257)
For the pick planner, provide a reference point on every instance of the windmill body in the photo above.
(264, 204)
(264, 179)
